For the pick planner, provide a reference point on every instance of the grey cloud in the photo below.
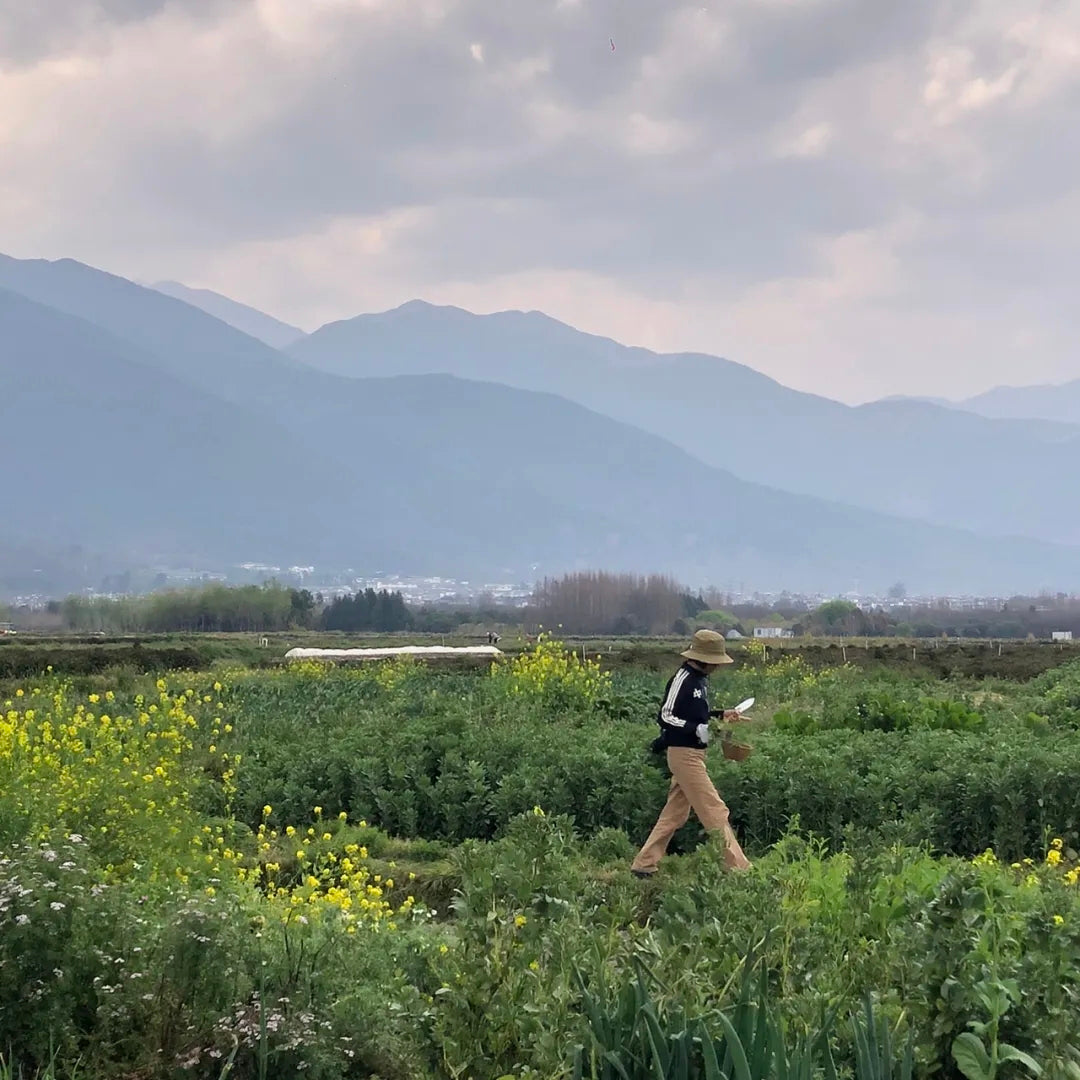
(33, 29)
(527, 158)
(391, 119)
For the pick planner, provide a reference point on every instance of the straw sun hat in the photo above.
(707, 647)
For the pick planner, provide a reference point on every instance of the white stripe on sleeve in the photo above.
(666, 715)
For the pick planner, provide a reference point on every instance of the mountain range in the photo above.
(1047, 402)
(143, 426)
(1056, 402)
(266, 328)
(904, 457)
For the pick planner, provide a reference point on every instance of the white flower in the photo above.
(57, 906)
(21, 920)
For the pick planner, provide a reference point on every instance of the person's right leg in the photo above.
(672, 818)
(688, 771)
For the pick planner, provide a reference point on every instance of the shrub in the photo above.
(550, 676)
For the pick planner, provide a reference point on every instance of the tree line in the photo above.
(585, 603)
(226, 609)
(595, 602)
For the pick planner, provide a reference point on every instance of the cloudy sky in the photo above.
(858, 197)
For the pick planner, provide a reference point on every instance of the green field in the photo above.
(251, 870)
(127, 655)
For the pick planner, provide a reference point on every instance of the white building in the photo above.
(772, 632)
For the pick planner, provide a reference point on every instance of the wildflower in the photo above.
(267, 810)
(520, 921)
(1053, 857)
(56, 905)
(343, 816)
(1059, 920)
(534, 965)
(443, 949)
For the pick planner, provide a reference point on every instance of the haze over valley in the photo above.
(431, 441)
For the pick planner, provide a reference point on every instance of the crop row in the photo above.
(456, 759)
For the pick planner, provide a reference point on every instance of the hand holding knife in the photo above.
(734, 715)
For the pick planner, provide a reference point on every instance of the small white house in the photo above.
(772, 632)
(1061, 635)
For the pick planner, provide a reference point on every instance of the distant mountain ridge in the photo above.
(905, 457)
(1060, 402)
(211, 442)
(173, 462)
(1049, 403)
(251, 321)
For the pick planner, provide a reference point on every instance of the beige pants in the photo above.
(691, 789)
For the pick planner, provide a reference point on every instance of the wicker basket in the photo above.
(734, 751)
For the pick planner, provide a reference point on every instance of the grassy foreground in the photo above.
(383, 872)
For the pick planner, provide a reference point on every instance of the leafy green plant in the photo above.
(876, 1055)
(633, 1039)
(979, 1053)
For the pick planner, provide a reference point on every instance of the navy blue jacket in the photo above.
(684, 712)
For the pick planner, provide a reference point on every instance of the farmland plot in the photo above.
(386, 872)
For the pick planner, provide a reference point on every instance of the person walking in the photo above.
(684, 736)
